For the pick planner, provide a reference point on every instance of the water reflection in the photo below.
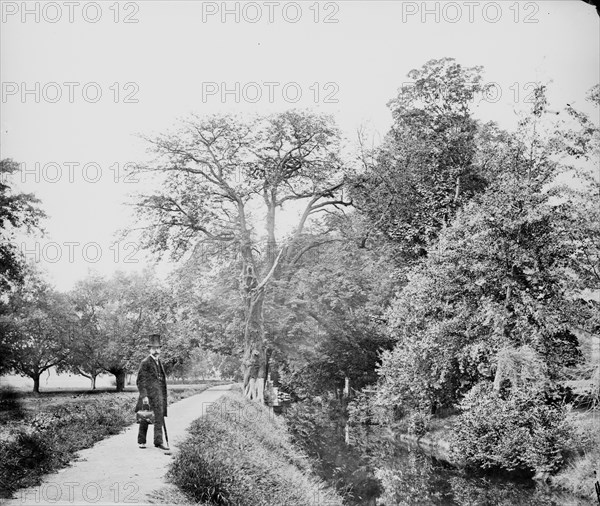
(409, 477)
(376, 469)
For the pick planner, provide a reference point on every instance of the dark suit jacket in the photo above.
(150, 386)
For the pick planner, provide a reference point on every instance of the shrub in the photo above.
(49, 439)
(578, 476)
(19, 456)
(239, 454)
(520, 433)
(10, 405)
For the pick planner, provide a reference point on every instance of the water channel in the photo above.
(375, 469)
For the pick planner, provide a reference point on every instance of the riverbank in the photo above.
(241, 453)
(408, 463)
(576, 477)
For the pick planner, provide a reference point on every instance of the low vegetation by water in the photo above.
(240, 454)
(518, 436)
(372, 464)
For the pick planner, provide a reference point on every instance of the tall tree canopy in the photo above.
(494, 299)
(427, 167)
(218, 174)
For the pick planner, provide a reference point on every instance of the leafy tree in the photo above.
(217, 174)
(116, 315)
(497, 281)
(207, 303)
(37, 329)
(322, 314)
(427, 167)
(17, 211)
(205, 364)
(579, 137)
(328, 320)
(582, 147)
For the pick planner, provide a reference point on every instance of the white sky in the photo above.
(358, 63)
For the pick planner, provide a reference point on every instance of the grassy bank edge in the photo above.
(246, 460)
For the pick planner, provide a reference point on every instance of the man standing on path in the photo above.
(152, 385)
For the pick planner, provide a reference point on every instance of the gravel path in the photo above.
(115, 471)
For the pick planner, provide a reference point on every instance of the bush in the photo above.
(520, 433)
(49, 440)
(10, 405)
(239, 454)
(578, 476)
(22, 454)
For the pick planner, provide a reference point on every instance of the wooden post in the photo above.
(347, 387)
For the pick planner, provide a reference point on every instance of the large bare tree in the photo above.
(224, 180)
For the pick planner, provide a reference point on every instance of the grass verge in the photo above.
(240, 454)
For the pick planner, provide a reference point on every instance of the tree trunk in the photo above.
(36, 383)
(93, 381)
(120, 375)
(346, 387)
(457, 190)
(254, 363)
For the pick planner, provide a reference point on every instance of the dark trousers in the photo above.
(159, 422)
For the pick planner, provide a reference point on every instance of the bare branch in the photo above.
(264, 282)
(313, 245)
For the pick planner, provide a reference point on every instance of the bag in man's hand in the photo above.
(146, 414)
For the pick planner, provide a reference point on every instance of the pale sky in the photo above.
(179, 57)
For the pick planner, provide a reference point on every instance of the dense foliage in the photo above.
(428, 166)
(329, 316)
(501, 285)
(520, 432)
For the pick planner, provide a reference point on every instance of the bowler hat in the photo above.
(154, 341)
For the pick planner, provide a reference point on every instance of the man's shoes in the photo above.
(142, 445)
(163, 447)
